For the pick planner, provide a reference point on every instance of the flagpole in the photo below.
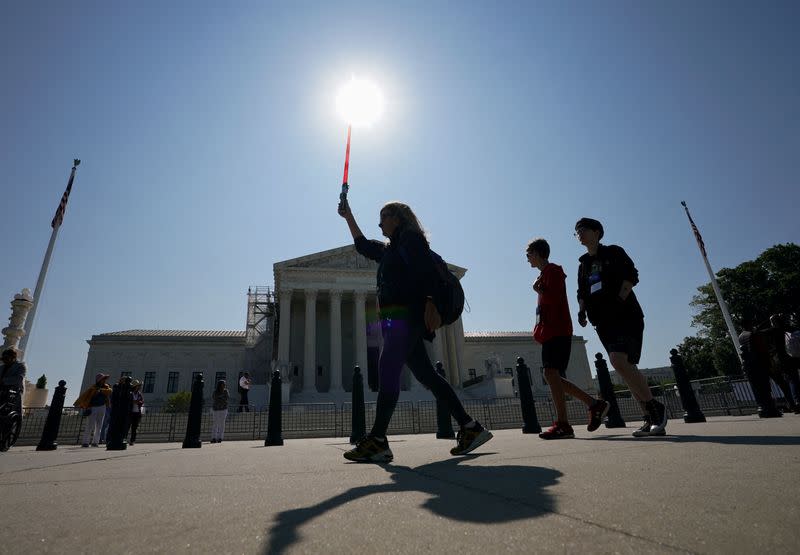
(722, 304)
(23, 342)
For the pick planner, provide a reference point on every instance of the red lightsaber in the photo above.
(345, 186)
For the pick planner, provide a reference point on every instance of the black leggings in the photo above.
(403, 345)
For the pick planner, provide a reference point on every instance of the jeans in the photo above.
(218, 423)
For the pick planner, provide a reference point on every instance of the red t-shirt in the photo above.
(552, 310)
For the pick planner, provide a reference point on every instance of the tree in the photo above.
(758, 288)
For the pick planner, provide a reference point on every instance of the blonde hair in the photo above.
(408, 220)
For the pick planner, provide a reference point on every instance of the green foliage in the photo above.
(41, 383)
(758, 288)
(178, 402)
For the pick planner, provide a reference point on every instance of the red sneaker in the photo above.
(558, 431)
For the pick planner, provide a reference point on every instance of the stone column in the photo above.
(361, 331)
(458, 332)
(285, 326)
(309, 353)
(452, 358)
(336, 340)
(20, 306)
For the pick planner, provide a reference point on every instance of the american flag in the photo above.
(62, 206)
(696, 232)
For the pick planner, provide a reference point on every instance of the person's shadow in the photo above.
(481, 494)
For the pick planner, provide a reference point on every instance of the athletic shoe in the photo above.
(370, 449)
(95, 445)
(597, 412)
(213, 440)
(644, 431)
(469, 439)
(658, 414)
(85, 445)
(558, 431)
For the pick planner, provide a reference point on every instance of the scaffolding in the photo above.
(260, 333)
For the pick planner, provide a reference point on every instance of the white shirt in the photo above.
(244, 383)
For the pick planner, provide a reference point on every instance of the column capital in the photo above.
(286, 292)
(335, 293)
(360, 295)
(310, 293)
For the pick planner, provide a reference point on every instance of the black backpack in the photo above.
(449, 295)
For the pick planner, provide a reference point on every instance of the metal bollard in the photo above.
(121, 402)
(53, 422)
(444, 427)
(614, 418)
(692, 412)
(192, 438)
(274, 423)
(529, 418)
(358, 428)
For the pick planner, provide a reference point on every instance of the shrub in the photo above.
(178, 402)
(41, 383)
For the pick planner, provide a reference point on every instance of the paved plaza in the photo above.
(727, 486)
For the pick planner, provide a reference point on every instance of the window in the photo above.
(149, 382)
(220, 376)
(472, 373)
(509, 371)
(125, 374)
(172, 382)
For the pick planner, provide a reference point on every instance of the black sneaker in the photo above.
(597, 412)
(644, 431)
(658, 415)
(370, 449)
(558, 431)
(469, 439)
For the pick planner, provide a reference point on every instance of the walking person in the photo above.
(94, 402)
(408, 316)
(606, 277)
(219, 411)
(553, 331)
(244, 389)
(137, 409)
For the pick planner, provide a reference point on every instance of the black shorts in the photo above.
(623, 337)
(555, 353)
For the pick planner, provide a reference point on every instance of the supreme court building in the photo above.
(315, 325)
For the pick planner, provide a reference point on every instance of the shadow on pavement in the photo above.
(725, 440)
(480, 494)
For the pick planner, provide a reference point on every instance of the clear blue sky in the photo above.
(211, 149)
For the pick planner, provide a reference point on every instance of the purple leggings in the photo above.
(403, 345)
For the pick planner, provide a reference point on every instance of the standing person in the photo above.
(137, 408)
(606, 277)
(94, 401)
(219, 411)
(107, 417)
(12, 375)
(244, 389)
(783, 371)
(553, 331)
(406, 282)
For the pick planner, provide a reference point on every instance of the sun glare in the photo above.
(359, 102)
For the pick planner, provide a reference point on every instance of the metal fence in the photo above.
(716, 396)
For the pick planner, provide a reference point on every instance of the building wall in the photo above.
(184, 357)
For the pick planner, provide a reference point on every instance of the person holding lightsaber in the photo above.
(408, 316)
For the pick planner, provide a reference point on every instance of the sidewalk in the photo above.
(727, 486)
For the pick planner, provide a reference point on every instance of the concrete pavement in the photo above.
(726, 486)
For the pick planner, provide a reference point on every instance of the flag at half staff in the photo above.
(62, 206)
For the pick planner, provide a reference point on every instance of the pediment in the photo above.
(342, 258)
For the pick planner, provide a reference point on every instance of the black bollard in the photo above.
(614, 418)
(192, 438)
(121, 403)
(358, 428)
(274, 424)
(53, 422)
(692, 412)
(444, 427)
(529, 418)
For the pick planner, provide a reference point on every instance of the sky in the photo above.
(211, 149)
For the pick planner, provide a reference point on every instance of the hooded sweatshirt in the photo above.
(552, 310)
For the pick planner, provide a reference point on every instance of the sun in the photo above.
(359, 102)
